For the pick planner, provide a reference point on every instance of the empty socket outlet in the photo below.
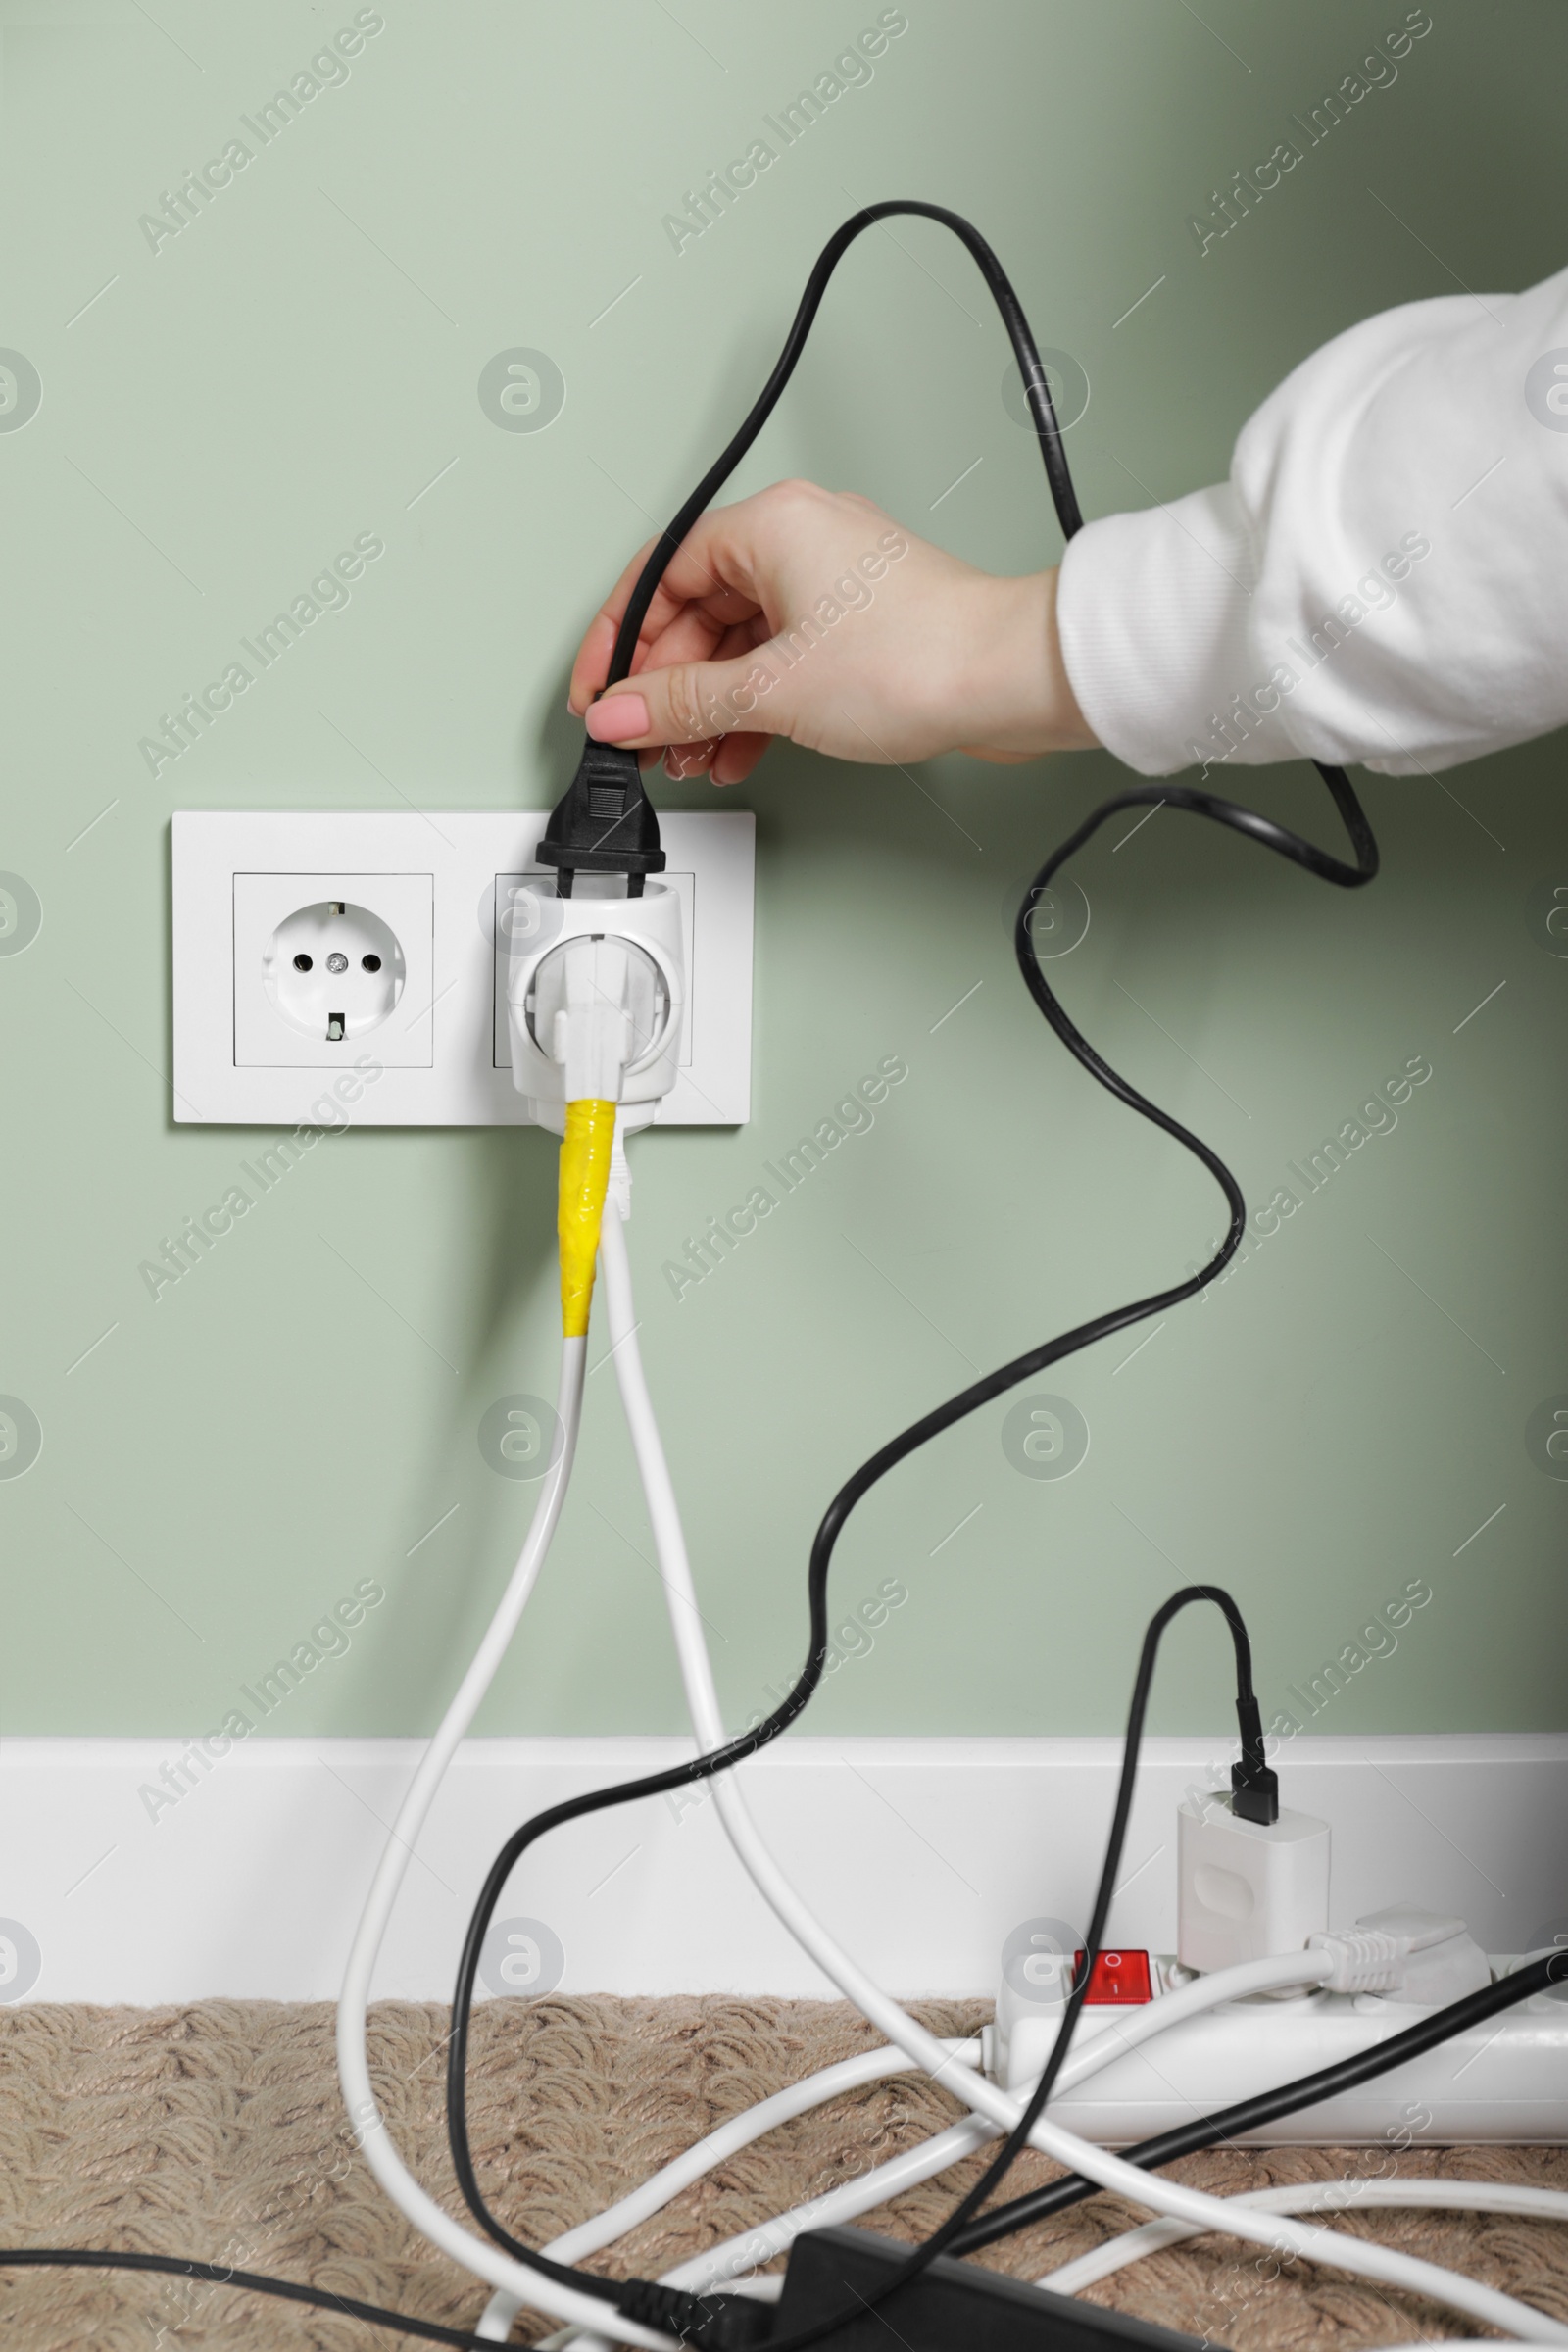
(328, 963)
(334, 970)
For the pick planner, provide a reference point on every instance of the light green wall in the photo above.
(293, 370)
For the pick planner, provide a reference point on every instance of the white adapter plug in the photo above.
(598, 1005)
(1247, 1889)
(595, 999)
(1421, 1959)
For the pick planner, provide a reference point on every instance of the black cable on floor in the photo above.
(644, 2299)
(1252, 2115)
(213, 2273)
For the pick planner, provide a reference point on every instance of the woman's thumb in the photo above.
(690, 701)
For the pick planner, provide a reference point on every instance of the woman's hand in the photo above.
(811, 614)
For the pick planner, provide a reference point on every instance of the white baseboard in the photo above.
(922, 1855)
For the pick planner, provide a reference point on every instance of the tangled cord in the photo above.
(646, 2299)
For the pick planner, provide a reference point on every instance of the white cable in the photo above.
(1120, 2032)
(727, 2260)
(746, 2251)
(1360, 2257)
(728, 2138)
(797, 2098)
(1312, 2197)
(723, 2265)
(734, 2263)
(474, 2253)
(726, 2264)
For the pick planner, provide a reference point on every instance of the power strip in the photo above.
(1507, 2079)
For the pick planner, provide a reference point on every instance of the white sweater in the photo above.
(1384, 578)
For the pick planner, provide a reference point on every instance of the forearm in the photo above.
(1024, 699)
(1384, 578)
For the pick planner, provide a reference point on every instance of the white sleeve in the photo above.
(1384, 578)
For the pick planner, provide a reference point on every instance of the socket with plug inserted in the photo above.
(527, 913)
(327, 964)
(543, 930)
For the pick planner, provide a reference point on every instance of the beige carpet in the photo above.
(216, 2130)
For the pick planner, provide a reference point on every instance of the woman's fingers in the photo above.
(701, 574)
(695, 687)
(591, 666)
(690, 701)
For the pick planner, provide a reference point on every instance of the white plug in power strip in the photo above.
(1504, 2081)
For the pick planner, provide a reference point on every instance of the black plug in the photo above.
(837, 2278)
(1254, 1784)
(603, 822)
(717, 2322)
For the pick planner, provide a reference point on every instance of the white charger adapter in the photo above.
(1247, 1889)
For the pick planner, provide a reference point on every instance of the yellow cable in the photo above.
(584, 1175)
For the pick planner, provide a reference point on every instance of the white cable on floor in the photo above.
(727, 2260)
(728, 2138)
(726, 2263)
(1120, 2032)
(474, 2253)
(1283, 2236)
(734, 2264)
(1313, 2196)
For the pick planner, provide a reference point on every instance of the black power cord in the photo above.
(213, 2273)
(569, 823)
(1019, 332)
(1267, 2107)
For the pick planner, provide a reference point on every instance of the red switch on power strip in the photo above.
(1118, 1979)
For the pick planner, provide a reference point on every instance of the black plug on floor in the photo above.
(951, 2307)
(712, 2322)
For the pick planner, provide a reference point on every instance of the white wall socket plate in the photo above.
(441, 885)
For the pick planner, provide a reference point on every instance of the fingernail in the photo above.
(617, 717)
